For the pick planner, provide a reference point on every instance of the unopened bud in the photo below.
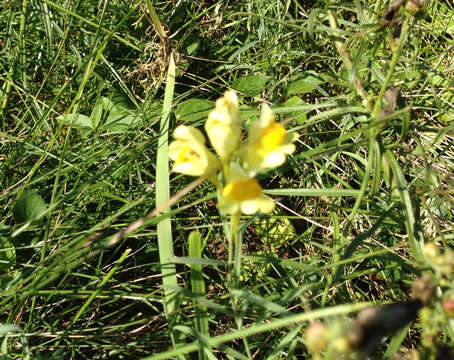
(414, 6)
(342, 345)
(448, 307)
(316, 337)
(431, 250)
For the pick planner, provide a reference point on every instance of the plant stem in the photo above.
(236, 241)
(235, 246)
(345, 56)
(233, 242)
(396, 54)
(22, 58)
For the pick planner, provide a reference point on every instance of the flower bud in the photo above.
(414, 6)
(448, 307)
(316, 337)
(431, 250)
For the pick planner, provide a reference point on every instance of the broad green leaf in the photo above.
(119, 119)
(78, 121)
(450, 28)
(7, 254)
(96, 113)
(274, 233)
(193, 110)
(191, 44)
(252, 84)
(410, 77)
(297, 115)
(28, 207)
(305, 82)
(121, 101)
(107, 104)
(437, 80)
(447, 117)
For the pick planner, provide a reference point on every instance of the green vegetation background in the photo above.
(82, 88)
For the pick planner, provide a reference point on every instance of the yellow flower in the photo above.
(268, 142)
(223, 125)
(243, 194)
(189, 153)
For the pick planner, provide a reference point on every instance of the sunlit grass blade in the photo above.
(415, 236)
(8, 330)
(258, 300)
(164, 229)
(313, 192)
(198, 287)
(47, 27)
(287, 341)
(396, 341)
(258, 328)
(99, 287)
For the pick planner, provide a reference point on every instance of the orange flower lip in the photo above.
(243, 190)
(186, 155)
(272, 137)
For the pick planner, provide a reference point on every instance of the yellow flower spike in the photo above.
(243, 194)
(223, 125)
(189, 153)
(268, 142)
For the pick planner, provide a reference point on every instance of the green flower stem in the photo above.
(362, 190)
(23, 56)
(345, 56)
(232, 251)
(396, 54)
(373, 130)
(235, 247)
(225, 170)
(236, 240)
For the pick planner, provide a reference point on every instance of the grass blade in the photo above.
(198, 288)
(267, 326)
(164, 229)
(313, 192)
(415, 237)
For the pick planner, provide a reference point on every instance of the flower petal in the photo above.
(189, 153)
(229, 207)
(288, 148)
(175, 148)
(268, 143)
(223, 137)
(188, 169)
(184, 132)
(273, 159)
(236, 173)
(249, 207)
(266, 205)
(267, 116)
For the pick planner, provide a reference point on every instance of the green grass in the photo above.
(88, 269)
